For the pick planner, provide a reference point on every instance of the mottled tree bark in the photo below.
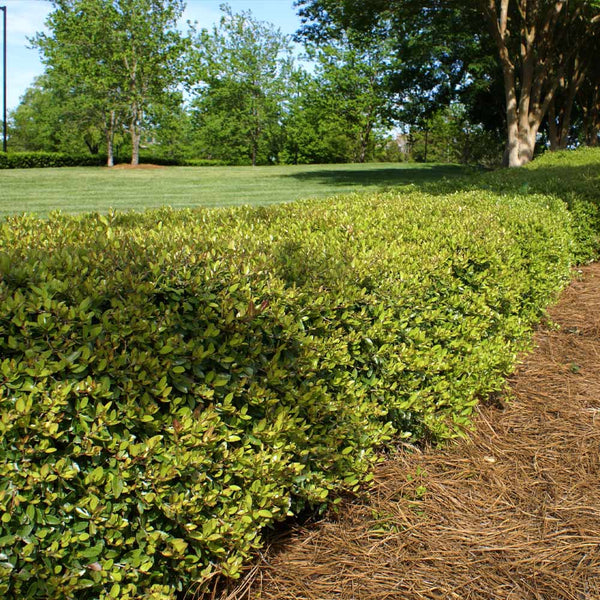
(530, 82)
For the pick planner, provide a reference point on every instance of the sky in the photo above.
(26, 17)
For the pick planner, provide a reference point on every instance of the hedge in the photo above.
(32, 160)
(175, 381)
(572, 176)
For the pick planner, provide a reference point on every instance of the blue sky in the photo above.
(26, 17)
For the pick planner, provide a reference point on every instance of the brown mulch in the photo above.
(511, 513)
(127, 166)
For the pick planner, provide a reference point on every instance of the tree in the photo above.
(589, 105)
(352, 93)
(432, 57)
(150, 56)
(119, 56)
(542, 46)
(449, 136)
(534, 41)
(79, 50)
(243, 68)
(51, 119)
(573, 105)
(315, 130)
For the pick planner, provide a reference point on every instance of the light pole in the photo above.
(3, 9)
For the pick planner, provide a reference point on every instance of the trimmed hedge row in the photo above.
(572, 176)
(35, 160)
(172, 382)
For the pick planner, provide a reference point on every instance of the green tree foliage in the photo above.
(243, 69)
(540, 51)
(448, 136)
(432, 58)
(120, 57)
(49, 118)
(338, 113)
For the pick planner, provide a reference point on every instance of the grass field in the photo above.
(75, 190)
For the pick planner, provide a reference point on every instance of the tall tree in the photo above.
(542, 46)
(588, 100)
(534, 43)
(352, 91)
(243, 68)
(79, 49)
(150, 57)
(122, 56)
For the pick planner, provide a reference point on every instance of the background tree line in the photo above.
(378, 80)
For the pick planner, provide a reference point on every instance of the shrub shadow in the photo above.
(386, 177)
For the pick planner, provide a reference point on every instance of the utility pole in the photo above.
(3, 9)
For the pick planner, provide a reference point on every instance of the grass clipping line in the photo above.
(511, 513)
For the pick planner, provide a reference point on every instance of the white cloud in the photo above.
(24, 19)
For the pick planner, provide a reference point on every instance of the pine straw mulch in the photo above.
(511, 513)
(140, 167)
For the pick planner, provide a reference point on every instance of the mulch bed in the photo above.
(511, 513)
(144, 166)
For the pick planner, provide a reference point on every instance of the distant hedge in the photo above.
(36, 160)
(33, 160)
(172, 382)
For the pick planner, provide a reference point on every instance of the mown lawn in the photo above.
(75, 190)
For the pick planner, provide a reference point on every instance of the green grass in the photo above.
(78, 189)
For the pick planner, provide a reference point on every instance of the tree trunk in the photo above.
(134, 127)
(566, 121)
(254, 153)
(135, 146)
(110, 161)
(366, 135)
(592, 127)
(512, 153)
(364, 145)
(498, 26)
(590, 105)
(93, 147)
(110, 131)
(526, 108)
(561, 120)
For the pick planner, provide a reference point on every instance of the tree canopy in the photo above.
(524, 71)
(542, 47)
(119, 57)
(243, 67)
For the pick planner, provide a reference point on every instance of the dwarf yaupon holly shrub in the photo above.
(173, 382)
(571, 175)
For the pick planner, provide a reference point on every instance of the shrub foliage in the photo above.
(572, 176)
(173, 382)
(38, 160)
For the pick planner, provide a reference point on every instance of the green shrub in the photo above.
(172, 382)
(202, 162)
(36, 160)
(572, 176)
